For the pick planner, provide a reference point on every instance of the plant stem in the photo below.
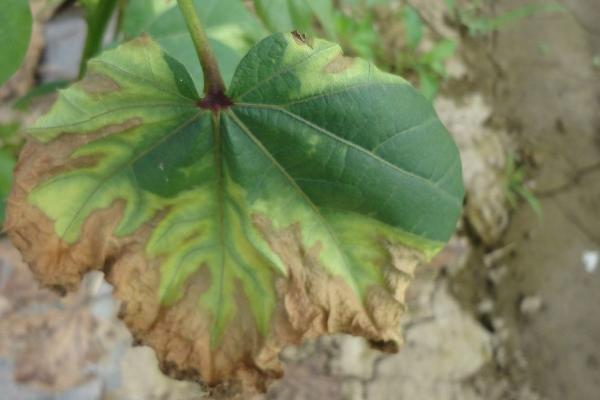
(97, 21)
(213, 81)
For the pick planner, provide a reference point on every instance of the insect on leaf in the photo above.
(233, 227)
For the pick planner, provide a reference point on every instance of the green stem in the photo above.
(97, 21)
(213, 81)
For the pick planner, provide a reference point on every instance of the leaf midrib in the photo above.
(299, 190)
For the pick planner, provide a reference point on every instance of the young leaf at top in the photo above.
(15, 32)
(232, 30)
(296, 204)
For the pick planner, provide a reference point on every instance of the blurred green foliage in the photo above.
(358, 36)
(357, 33)
(513, 186)
(286, 16)
(472, 18)
(10, 145)
(15, 31)
(430, 65)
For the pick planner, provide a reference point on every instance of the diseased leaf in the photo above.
(15, 32)
(300, 210)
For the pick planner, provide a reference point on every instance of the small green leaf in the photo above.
(523, 12)
(428, 83)
(439, 53)
(15, 32)
(435, 59)
(530, 199)
(301, 209)
(414, 27)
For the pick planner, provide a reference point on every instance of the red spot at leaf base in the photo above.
(215, 102)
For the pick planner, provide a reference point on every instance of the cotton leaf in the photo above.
(232, 231)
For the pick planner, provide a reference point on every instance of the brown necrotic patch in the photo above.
(72, 140)
(316, 302)
(95, 84)
(338, 64)
(43, 161)
(301, 39)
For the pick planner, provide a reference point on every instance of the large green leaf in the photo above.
(229, 26)
(15, 32)
(232, 232)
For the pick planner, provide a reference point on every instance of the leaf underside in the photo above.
(302, 210)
